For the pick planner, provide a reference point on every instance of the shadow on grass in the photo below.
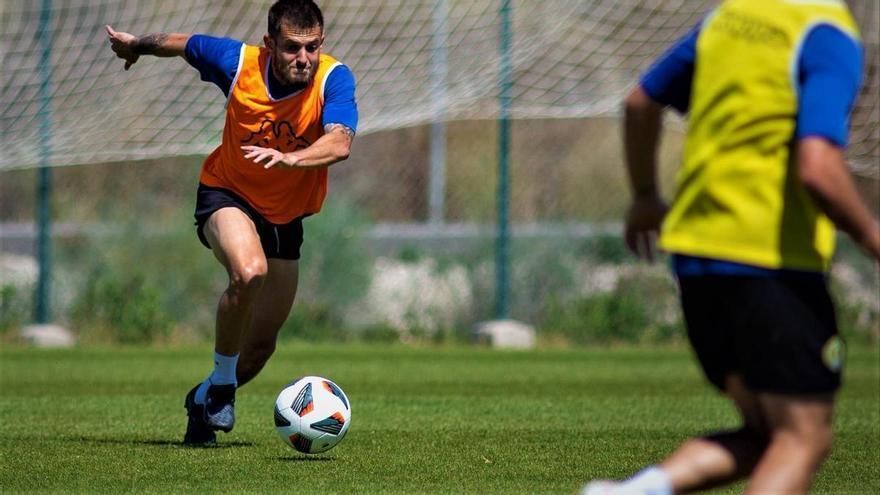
(156, 443)
(302, 458)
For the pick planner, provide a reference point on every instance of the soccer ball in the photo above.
(312, 414)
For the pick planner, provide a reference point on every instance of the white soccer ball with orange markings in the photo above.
(312, 414)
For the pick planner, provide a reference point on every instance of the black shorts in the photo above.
(779, 333)
(278, 240)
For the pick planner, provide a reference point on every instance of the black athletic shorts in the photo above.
(779, 333)
(279, 240)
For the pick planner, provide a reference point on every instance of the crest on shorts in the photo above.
(833, 353)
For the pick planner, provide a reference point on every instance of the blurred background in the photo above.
(486, 180)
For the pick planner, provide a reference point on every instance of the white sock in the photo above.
(223, 374)
(650, 481)
(224, 369)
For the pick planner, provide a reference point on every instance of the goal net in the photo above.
(65, 99)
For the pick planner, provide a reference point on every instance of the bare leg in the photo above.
(721, 458)
(270, 310)
(233, 239)
(800, 439)
(235, 243)
(706, 462)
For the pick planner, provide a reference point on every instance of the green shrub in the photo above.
(335, 265)
(855, 288)
(120, 307)
(858, 322)
(149, 279)
(335, 271)
(312, 321)
(378, 334)
(606, 248)
(139, 283)
(539, 270)
(315, 322)
(14, 307)
(641, 309)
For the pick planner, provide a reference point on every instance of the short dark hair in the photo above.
(303, 14)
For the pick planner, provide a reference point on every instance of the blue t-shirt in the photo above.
(829, 75)
(217, 61)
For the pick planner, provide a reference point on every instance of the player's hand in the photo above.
(643, 226)
(269, 157)
(122, 45)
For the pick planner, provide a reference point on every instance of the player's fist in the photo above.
(643, 226)
(122, 45)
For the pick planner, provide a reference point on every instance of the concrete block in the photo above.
(48, 336)
(506, 334)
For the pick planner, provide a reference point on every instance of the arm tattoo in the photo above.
(150, 44)
(344, 128)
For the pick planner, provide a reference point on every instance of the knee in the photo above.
(814, 439)
(249, 276)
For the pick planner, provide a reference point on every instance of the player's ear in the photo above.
(269, 42)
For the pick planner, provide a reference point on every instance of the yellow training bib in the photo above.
(739, 198)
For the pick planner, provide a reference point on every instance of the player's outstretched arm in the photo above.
(822, 169)
(333, 147)
(129, 47)
(643, 121)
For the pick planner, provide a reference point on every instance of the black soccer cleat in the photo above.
(198, 433)
(220, 407)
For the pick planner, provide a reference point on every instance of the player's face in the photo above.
(295, 53)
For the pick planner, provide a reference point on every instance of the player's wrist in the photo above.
(149, 44)
(290, 159)
(646, 193)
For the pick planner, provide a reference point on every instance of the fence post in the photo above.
(437, 180)
(42, 306)
(502, 243)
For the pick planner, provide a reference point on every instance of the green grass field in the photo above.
(425, 420)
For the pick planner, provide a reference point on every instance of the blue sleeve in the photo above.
(215, 58)
(340, 106)
(830, 73)
(668, 81)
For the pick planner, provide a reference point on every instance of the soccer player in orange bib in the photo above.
(290, 114)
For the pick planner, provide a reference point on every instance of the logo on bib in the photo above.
(278, 135)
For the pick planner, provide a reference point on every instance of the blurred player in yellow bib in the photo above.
(767, 86)
(290, 113)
